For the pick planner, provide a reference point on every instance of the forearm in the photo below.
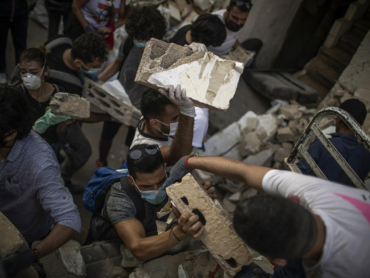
(96, 117)
(231, 169)
(120, 22)
(57, 237)
(111, 70)
(76, 7)
(237, 44)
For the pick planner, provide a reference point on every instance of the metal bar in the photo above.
(338, 157)
(293, 167)
(315, 168)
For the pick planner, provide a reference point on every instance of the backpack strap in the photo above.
(135, 197)
(56, 75)
(129, 44)
(57, 42)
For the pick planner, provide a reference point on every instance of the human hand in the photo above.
(178, 97)
(105, 31)
(197, 47)
(16, 262)
(190, 225)
(89, 29)
(63, 125)
(178, 170)
(209, 188)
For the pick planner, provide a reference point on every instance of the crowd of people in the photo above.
(307, 227)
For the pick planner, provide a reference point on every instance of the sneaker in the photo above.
(3, 79)
(74, 188)
(99, 164)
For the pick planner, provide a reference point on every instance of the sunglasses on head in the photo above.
(242, 4)
(138, 153)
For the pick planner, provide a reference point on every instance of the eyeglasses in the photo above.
(138, 153)
(242, 4)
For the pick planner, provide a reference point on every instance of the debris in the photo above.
(219, 237)
(174, 12)
(128, 260)
(250, 144)
(298, 126)
(270, 123)
(291, 111)
(230, 186)
(235, 197)
(72, 259)
(209, 80)
(280, 154)
(223, 141)
(240, 55)
(285, 134)
(250, 192)
(139, 273)
(326, 122)
(251, 125)
(261, 133)
(263, 158)
(70, 105)
(287, 146)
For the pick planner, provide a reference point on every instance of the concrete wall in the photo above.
(269, 21)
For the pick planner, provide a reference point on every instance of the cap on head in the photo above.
(243, 5)
(356, 108)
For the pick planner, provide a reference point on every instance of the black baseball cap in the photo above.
(356, 108)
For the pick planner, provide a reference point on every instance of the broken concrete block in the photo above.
(327, 121)
(201, 264)
(11, 240)
(234, 153)
(209, 80)
(243, 120)
(287, 146)
(263, 158)
(291, 111)
(219, 237)
(235, 197)
(280, 154)
(250, 144)
(269, 123)
(251, 125)
(203, 175)
(240, 55)
(128, 260)
(113, 102)
(264, 264)
(261, 133)
(250, 192)
(70, 105)
(223, 141)
(285, 134)
(339, 93)
(298, 126)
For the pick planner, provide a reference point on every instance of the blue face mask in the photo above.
(154, 197)
(139, 44)
(90, 71)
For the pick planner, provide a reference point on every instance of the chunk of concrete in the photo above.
(261, 133)
(291, 111)
(70, 105)
(234, 153)
(235, 197)
(269, 123)
(298, 126)
(240, 55)
(113, 102)
(280, 154)
(287, 146)
(263, 158)
(250, 192)
(219, 237)
(251, 125)
(209, 80)
(250, 144)
(223, 141)
(327, 121)
(285, 134)
(243, 121)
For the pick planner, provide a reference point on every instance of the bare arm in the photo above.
(236, 44)
(121, 14)
(182, 144)
(57, 237)
(111, 70)
(96, 118)
(76, 7)
(231, 169)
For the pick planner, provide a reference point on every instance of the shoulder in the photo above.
(116, 195)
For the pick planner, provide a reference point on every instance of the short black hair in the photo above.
(356, 108)
(242, 8)
(275, 226)
(37, 54)
(209, 30)
(88, 47)
(144, 23)
(153, 105)
(146, 164)
(14, 113)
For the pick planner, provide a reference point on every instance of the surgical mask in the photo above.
(232, 26)
(173, 128)
(154, 197)
(90, 71)
(32, 82)
(139, 44)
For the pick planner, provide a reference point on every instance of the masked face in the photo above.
(154, 197)
(232, 26)
(32, 82)
(139, 44)
(90, 71)
(172, 131)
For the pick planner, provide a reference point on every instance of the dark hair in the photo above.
(240, 7)
(146, 164)
(88, 47)
(356, 108)
(144, 23)
(14, 113)
(38, 54)
(275, 226)
(153, 105)
(209, 30)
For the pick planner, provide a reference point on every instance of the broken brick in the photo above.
(250, 144)
(280, 154)
(70, 105)
(291, 111)
(285, 134)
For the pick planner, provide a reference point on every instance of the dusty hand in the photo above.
(178, 170)
(209, 188)
(63, 125)
(178, 97)
(16, 262)
(190, 225)
(197, 47)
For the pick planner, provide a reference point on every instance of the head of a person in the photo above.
(146, 167)
(159, 113)
(144, 23)
(357, 109)
(88, 52)
(209, 30)
(276, 227)
(237, 13)
(33, 66)
(15, 119)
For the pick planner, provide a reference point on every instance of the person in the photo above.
(13, 16)
(323, 223)
(207, 29)
(32, 193)
(143, 23)
(100, 16)
(234, 18)
(345, 141)
(58, 9)
(168, 119)
(119, 216)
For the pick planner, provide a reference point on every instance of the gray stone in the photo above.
(251, 125)
(280, 154)
(250, 192)
(235, 197)
(250, 144)
(261, 133)
(269, 123)
(291, 111)
(285, 134)
(298, 126)
(263, 158)
(287, 146)
(70, 105)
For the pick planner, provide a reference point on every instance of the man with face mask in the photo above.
(234, 17)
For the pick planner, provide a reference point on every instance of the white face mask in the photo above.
(32, 82)
(173, 128)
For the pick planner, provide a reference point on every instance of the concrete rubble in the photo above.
(240, 55)
(70, 105)
(209, 80)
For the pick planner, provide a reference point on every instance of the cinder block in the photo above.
(219, 236)
(223, 141)
(70, 105)
(114, 106)
(209, 80)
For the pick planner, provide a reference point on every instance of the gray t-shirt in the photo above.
(128, 73)
(119, 207)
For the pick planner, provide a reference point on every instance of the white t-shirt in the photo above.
(230, 40)
(345, 212)
(95, 12)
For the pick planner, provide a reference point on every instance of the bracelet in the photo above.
(186, 161)
(174, 234)
(37, 254)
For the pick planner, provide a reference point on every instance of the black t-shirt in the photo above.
(180, 36)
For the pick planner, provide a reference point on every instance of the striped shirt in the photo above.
(32, 191)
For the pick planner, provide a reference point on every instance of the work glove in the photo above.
(82, 75)
(47, 120)
(16, 262)
(178, 97)
(178, 171)
(197, 47)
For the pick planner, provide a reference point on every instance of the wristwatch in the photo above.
(38, 256)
